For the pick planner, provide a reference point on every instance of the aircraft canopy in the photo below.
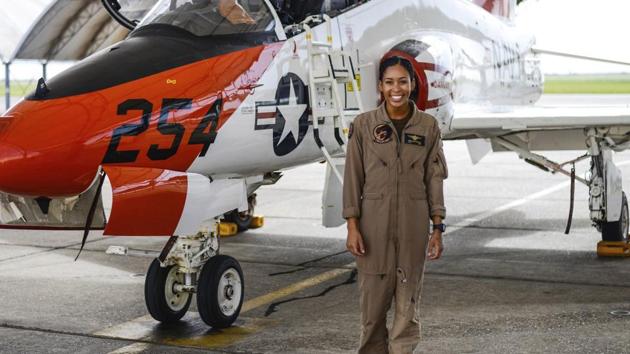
(215, 17)
(74, 29)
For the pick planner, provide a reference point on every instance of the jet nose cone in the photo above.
(43, 149)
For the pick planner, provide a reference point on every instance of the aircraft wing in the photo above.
(493, 121)
(536, 128)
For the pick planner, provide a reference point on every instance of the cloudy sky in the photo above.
(597, 28)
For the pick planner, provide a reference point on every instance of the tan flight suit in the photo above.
(393, 188)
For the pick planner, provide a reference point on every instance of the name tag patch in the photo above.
(415, 139)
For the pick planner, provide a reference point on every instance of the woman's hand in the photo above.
(435, 245)
(354, 242)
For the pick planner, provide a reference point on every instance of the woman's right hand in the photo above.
(354, 242)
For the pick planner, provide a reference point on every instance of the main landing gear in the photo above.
(608, 204)
(243, 219)
(607, 201)
(239, 221)
(188, 265)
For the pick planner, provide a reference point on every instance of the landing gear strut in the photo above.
(607, 201)
(608, 204)
(188, 265)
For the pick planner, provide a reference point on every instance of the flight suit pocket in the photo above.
(418, 196)
(414, 233)
(374, 227)
(442, 162)
(373, 196)
(414, 148)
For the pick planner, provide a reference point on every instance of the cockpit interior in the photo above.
(204, 18)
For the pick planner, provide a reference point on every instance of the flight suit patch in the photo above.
(383, 133)
(415, 139)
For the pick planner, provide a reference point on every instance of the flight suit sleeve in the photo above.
(354, 174)
(436, 172)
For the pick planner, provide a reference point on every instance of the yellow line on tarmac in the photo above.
(132, 349)
(295, 287)
(144, 327)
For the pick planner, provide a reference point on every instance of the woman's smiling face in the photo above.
(396, 86)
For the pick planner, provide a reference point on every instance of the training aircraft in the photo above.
(206, 101)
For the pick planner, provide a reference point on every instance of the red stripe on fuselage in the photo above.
(146, 201)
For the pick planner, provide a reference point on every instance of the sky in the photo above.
(598, 28)
(16, 20)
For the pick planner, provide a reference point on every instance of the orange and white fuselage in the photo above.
(157, 110)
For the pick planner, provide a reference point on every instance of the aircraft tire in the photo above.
(242, 219)
(163, 303)
(618, 230)
(220, 291)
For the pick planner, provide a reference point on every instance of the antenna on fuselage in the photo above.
(42, 89)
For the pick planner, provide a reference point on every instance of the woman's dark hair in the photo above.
(391, 61)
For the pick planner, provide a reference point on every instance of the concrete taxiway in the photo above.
(510, 280)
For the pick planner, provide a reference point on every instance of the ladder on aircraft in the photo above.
(324, 79)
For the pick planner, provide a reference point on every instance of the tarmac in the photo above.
(510, 280)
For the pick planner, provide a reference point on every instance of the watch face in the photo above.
(441, 227)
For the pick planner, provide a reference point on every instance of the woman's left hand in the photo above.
(435, 245)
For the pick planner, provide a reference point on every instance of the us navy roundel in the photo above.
(291, 114)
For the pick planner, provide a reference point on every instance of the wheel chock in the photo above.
(257, 221)
(613, 249)
(227, 229)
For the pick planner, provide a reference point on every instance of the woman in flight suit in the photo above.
(393, 186)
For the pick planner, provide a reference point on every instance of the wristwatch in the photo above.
(441, 227)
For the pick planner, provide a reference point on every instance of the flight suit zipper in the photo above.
(397, 172)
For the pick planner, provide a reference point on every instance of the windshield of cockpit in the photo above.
(212, 17)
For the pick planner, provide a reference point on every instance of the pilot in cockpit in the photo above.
(295, 11)
(235, 13)
(208, 17)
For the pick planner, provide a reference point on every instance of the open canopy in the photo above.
(16, 18)
(74, 29)
(212, 17)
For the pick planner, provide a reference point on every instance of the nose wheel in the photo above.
(189, 265)
(163, 301)
(220, 291)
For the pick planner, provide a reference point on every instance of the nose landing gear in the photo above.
(188, 265)
(220, 291)
(167, 305)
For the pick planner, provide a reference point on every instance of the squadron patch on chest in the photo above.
(414, 139)
(382, 134)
